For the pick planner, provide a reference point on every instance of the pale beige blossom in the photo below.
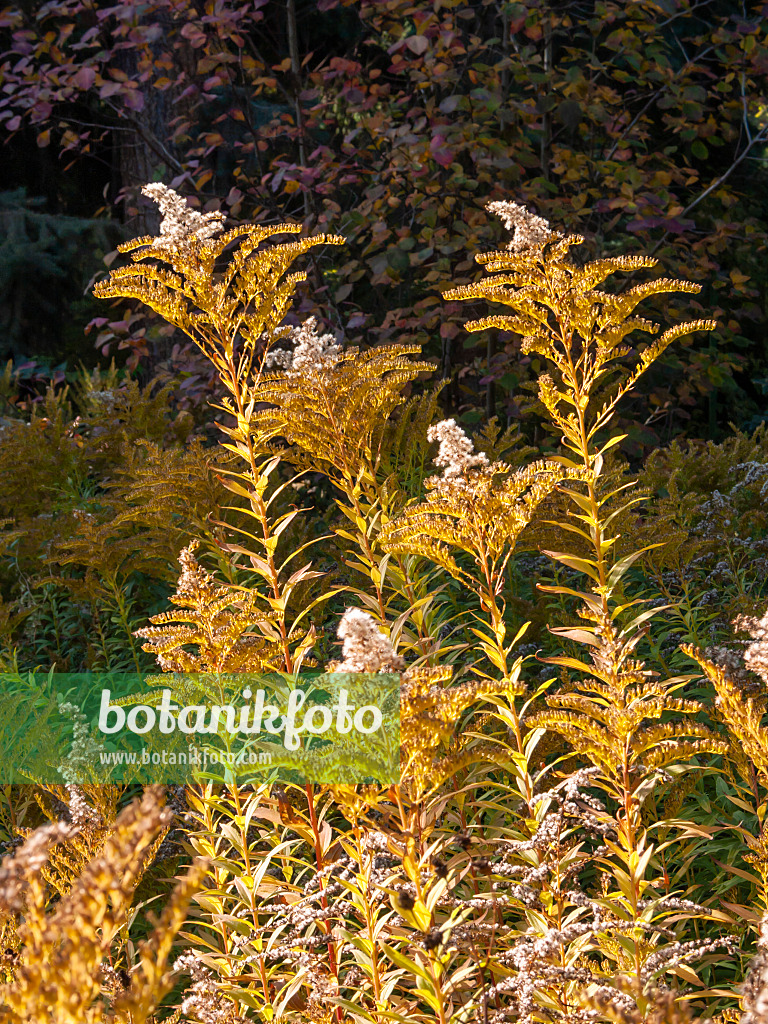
(180, 223)
(80, 811)
(365, 648)
(529, 229)
(311, 352)
(756, 654)
(456, 457)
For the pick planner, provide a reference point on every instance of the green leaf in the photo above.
(410, 966)
(618, 570)
(590, 600)
(585, 565)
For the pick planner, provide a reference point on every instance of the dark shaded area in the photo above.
(393, 123)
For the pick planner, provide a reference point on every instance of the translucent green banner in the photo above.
(76, 728)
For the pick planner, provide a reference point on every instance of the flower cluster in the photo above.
(456, 457)
(203, 1000)
(80, 811)
(755, 988)
(28, 860)
(365, 648)
(79, 763)
(756, 654)
(529, 230)
(180, 223)
(312, 352)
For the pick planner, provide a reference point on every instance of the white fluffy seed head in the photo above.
(365, 647)
(180, 223)
(312, 352)
(529, 230)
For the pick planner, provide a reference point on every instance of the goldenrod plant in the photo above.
(622, 719)
(293, 394)
(61, 965)
(219, 620)
(538, 859)
(743, 711)
(228, 314)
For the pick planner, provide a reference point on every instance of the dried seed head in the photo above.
(756, 654)
(529, 230)
(365, 648)
(456, 457)
(405, 901)
(180, 224)
(28, 860)
(755, 988)
(312, 352)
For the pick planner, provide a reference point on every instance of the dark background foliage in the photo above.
(640, 125)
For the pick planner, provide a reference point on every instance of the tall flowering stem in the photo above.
(233, 312)
(330, 406)
(480, 508)
(558, 308)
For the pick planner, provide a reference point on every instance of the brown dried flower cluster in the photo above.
(755, 988)
(64, 944)
(203, 1001)
(28, 860)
